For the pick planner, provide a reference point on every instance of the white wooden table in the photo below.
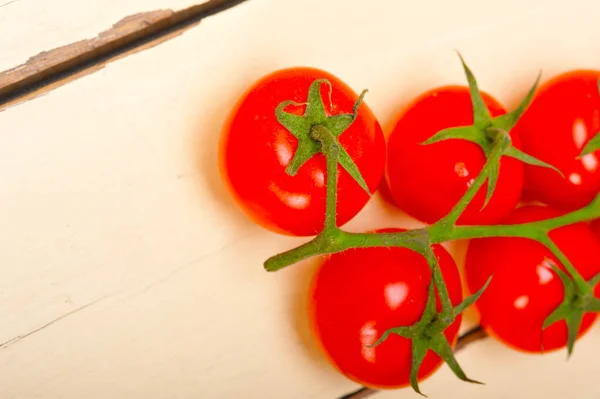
(125, 269)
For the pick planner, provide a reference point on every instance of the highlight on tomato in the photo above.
(358, 294)
(562, 119)
(276, 173)
(525, 289)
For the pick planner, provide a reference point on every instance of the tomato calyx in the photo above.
(578, 300)
(486, 130)
(428, 333)
(315, 117)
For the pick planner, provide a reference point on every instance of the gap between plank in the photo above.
(51, 69)
(472, 335)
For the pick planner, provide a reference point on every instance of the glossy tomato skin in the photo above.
(524, 289)
(255, 150)
(595, 226)
(358, 294)
(563, 116)
(426, 181)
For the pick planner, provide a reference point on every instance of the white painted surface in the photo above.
(111, 203)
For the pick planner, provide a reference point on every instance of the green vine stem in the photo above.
(318, 133)
(414, 239)
(332, 148)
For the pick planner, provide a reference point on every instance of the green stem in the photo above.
(339, 241)
(459, 208)
(500, 144)
(331, 149)
(534, 230)
(589, 212)
(562, 258)
(419, 239)
(315, 247)
(436, 275)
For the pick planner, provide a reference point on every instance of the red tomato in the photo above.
(255, 150)
(595, 226)
(426, 181)
(360, 293)
(563, 116)
(384, 191)
(524, 289)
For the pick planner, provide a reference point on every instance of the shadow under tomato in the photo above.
(384, 191)
(205, 142)
(300, 316)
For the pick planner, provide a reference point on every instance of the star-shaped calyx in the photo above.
(428, 333)
(315, 117)
(578, 300)
(486, 130)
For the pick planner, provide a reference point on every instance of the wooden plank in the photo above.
(126, 270)
(30, 27)
(130, 32)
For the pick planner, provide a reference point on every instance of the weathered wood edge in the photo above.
(131, 34)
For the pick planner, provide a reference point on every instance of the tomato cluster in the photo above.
(359, 293)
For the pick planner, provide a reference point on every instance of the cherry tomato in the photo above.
(524, 289)
(563, 116)
(595, 226)
(255, 150)
(426, 181)
(358, 294)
